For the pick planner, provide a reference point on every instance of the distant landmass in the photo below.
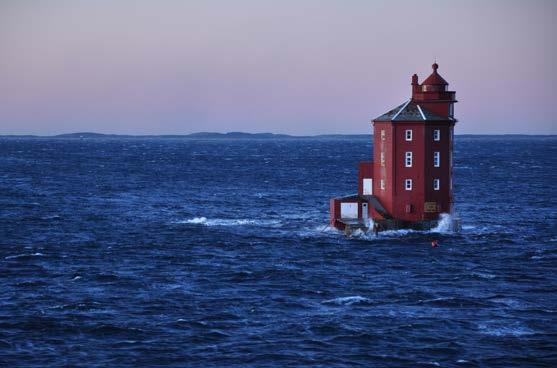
(238, 135)
(200, 135)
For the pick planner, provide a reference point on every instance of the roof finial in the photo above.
(435, 66)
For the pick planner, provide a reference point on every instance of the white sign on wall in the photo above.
(349, 210)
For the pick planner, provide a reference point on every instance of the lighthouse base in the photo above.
(385, 225)
(393, 224)
(365, 213)
(349, 227)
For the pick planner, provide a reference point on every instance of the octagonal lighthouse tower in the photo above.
(409, 183)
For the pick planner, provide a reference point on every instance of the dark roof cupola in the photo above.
(431, 101)
(434, 82)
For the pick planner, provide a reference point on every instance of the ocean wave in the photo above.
(454, 302)
(326, 229)
(512, 303)
(370, 235)
(317, 231)
(514, 329)
(229, 222)
(348, 300)
(25, 255)
(483, 275)
(50, 217)
(444, 225)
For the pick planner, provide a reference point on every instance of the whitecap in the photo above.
(318, 231)
(444, 225)
(468, 227)
(370, 235)
(24, 255)
(483, 275)
(50, 217)
(500, 330)
(348, 300)
(399, 232)
(229, 222)
(326, 229)
(195, 220)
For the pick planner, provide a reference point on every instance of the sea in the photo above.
(175, 252)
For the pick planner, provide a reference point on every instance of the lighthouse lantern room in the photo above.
(409, 182)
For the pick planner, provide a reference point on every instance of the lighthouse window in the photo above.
(382, 158)
(367, 186)
(408, 159)
(408, 184)
(382, 134)
(409, 134)
(436, 159)
(382, 184)
(437, 135)
(436, 184)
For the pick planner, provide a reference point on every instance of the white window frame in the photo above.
(382, 134)
(382, 158)
(382, 184)
(408, 134)
(408, 159)
(436, 184)
(437, 135)
(408, 184)
(436, 159)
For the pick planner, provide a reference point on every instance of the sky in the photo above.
(297, 67)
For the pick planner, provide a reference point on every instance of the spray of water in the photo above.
(444, 225)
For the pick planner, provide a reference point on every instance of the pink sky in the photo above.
(297, 67)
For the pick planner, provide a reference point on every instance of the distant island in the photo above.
(235, 135)
(200, 135)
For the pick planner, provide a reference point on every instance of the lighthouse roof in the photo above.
(410, 111)
(434, 78)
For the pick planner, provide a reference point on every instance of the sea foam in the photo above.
(228, 222)
(24, 255)
(444, 225)
(348, 300)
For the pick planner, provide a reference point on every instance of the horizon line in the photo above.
(232, 134)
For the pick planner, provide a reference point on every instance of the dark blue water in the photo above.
(176, 252)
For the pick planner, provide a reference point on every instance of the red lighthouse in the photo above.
(409, 183)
